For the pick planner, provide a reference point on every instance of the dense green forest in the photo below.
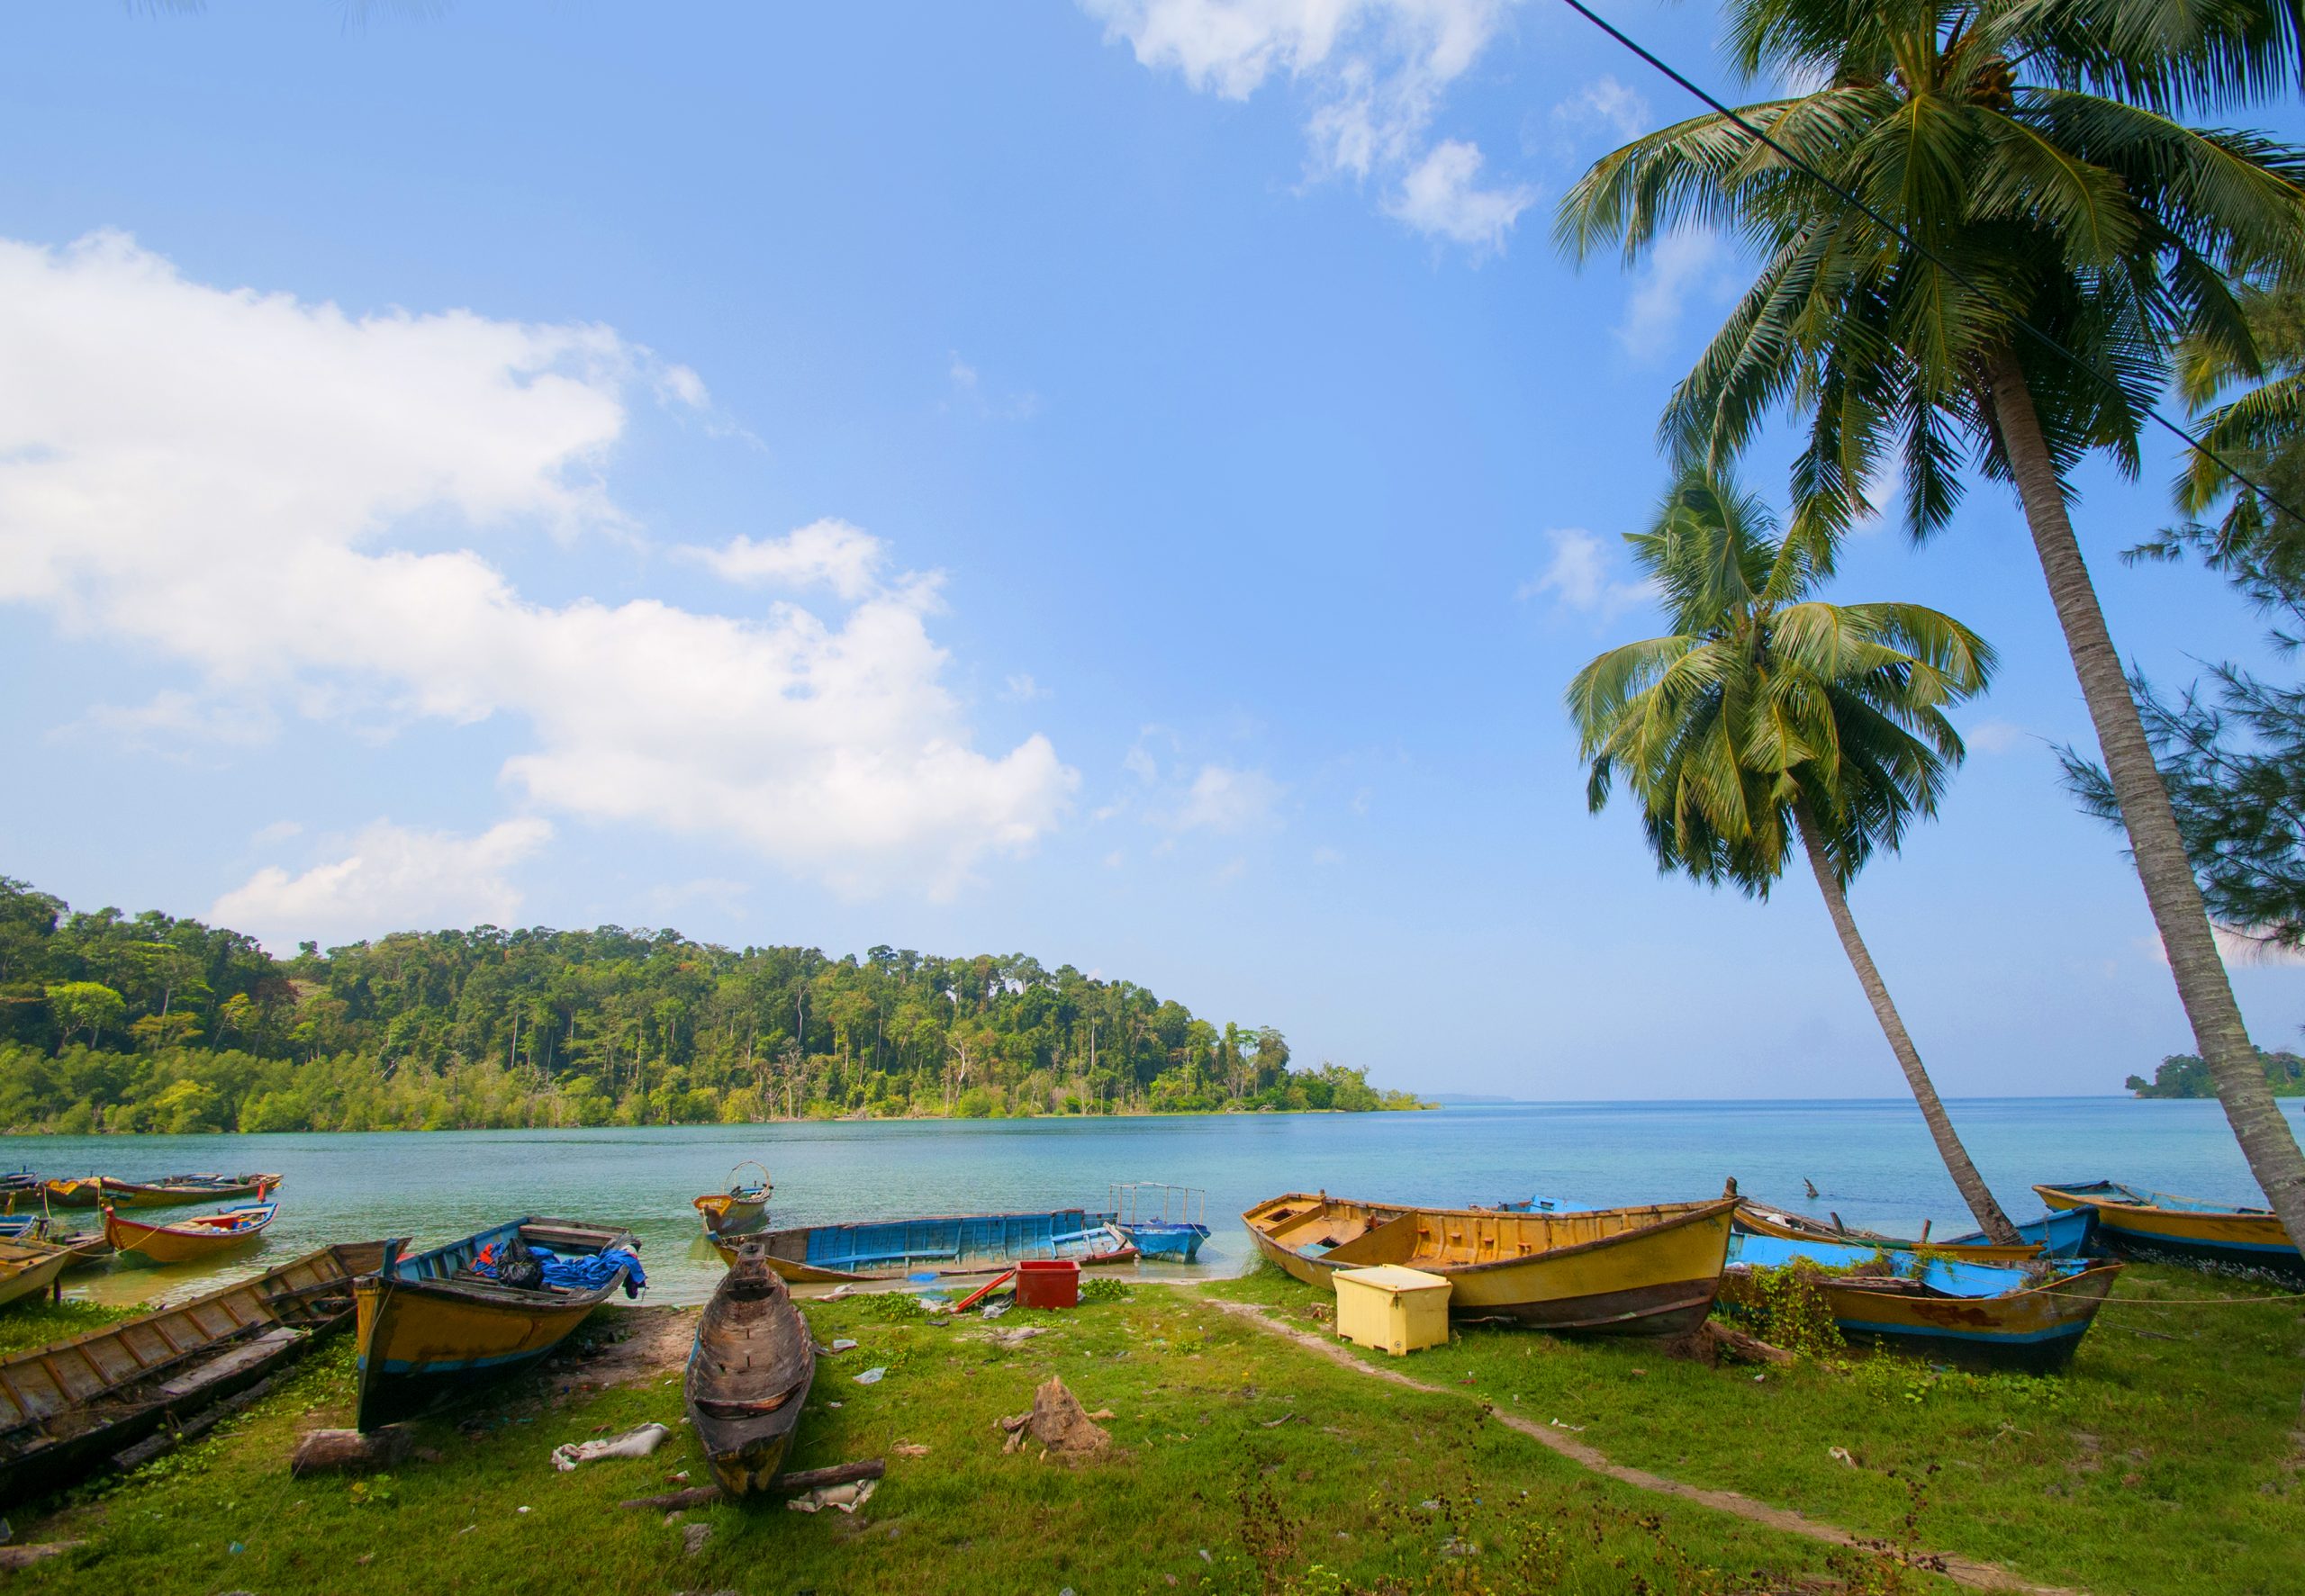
(111, 1022)
(2181, 1074)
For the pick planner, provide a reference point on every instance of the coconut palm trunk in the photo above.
(2170, 889)
(1973, 1190)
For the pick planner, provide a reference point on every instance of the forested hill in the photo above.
(2181, 1074)
(144, 1022)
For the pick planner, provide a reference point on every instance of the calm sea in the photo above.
(1872, 1162)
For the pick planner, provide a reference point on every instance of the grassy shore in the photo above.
(1244, 1463)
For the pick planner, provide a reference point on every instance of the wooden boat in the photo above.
(2030, 1317)
(2156, 1224)
(432, 1324)
(1160, 1219)
(2066, 1234)
(1530, 1204)
(945, 1245)
(188, 1240)
(87, 1247)
(1755, 1219)
(27, 1269)
(741, 1208)
(96, 1191)
(1623, 1271)
(67, 1407)
(748, 1374)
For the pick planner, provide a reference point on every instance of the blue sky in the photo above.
(1127, 484)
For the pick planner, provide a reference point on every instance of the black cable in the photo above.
(2046, 339)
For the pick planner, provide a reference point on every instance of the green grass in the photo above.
(24, 1325)
(2169, 1457)
(1292, 1474)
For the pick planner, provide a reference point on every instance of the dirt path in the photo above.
(1963, 1570)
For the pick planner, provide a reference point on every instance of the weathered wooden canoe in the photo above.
(2030, 1317)
(1621, 1271)
(188, 1240)
(945, 1244)
(27, 1269)
(94, 1190)
(1755, 1219)
(67, 1407)
(748, 1374)
(2156, 1224)
(87, 1247)
(437, 1322)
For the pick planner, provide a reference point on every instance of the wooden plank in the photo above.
(250, 1353)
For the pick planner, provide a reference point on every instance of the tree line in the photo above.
(111, 1022)
(2184, 1075)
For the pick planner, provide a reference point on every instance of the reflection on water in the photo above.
(1872, 1162)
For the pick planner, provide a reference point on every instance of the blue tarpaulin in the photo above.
(585, 1271)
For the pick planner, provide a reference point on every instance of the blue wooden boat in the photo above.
(1162, 1221)
(2030, 1317)
(1180, 1242)
(951, 1244)
(2060, 1235)
(1531, 1204)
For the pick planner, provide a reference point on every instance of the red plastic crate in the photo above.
(1048, 1283)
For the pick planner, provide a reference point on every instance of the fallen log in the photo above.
(807, 1478)
(38, 1552)
(351, 1451)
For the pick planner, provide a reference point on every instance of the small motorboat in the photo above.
(1755, 1219)
(2154, 1224)
(98, 1191)
(1649, 1270)
(2028, 1317)
(743, 1206)
(748, 1374)
(188, 1240)
(28, 1268)
(433, 1323)
(1160, 1219)
(941, 1245)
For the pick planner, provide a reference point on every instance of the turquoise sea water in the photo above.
(1871, 1161)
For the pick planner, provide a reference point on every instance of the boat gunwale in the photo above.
(2081, 1196)
(484, 1293)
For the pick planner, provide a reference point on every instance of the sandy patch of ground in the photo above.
(626, 1347)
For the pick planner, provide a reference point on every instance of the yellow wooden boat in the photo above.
(434, 1322)
(741, 1208)
(188, 1240)
(1650, 1271)
(2157, 1224)
(95, 1191)
(27, 1269)
(1754, 1219)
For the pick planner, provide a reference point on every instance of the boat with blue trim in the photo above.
(2030, 1317)
(1160, 1219)
(430, 1324)
(2065, 1233)
(2156, 1224)
(1755, 1219)
(939, 1245)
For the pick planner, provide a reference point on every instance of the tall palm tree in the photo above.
(2032, 152)
(1766, 717)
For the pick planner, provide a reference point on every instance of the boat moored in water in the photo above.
(87, 1247)
(1160, 1219)
(743, 1206)
(945, 1245)
(2154, 1224)
(2028, 1316)
(433, 1323)
(95, 1191)
(748, 1374)
(1651, 1270)
(188, 1240)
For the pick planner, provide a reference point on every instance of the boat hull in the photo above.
(28, 1268)
(95, 1191)
(1638, 1272)
(748, 1377)
(950, 1246)
(182, 1243)
(1756, 1221)
(2234, 1238)
(1182, 1242)
(726, 1214)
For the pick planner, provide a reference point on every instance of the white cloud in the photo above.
(1608, 104)
(1226, 800)
(1683, 265)
(1995, 736)
(1021, 689)
(1441, 196)
(1579, 577)
(1373, 71)
(217, 476)
(392, 879)
(177, 723)
(827, 553)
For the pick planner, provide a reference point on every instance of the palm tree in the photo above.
(2031, 156)
(1765, 715)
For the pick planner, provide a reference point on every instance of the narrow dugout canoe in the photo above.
(951, 1245)
(1754, 1219)
(67, 1407)
(1649, 1271)
(2028, 1317)
(748, 1374)
(188, 1240)
(27, 1269)
(2156, 1224)
(94, 1190)
(434, 1323)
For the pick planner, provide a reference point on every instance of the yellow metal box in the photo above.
(1393, 1308)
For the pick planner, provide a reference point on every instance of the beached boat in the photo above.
(1650, 1270)
(188, 1240)
(952, 1245)
(1527, 1206)
(2065, 1235)
(2154, 1224)
(27, 1269)
(741, 1208)
(748, 1374)
(67, 1407)
(1160, 1219)
(2030, 1317)
(87, 1247)
(95, 1191)
(432, 1323)
(1753, 1218)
